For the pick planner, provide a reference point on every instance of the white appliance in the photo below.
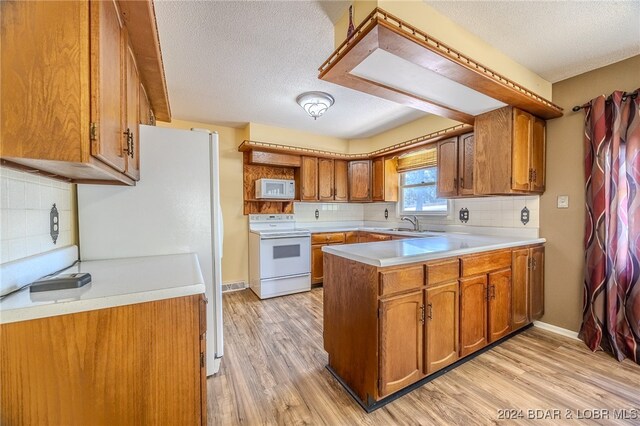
(279, 256)
(275, 188)
(175, 208)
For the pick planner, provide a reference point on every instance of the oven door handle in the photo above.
(286, 276)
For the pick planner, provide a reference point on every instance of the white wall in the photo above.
(26, 201)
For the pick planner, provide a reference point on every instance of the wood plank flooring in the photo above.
(273, 372)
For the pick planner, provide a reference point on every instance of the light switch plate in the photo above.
(563, 201)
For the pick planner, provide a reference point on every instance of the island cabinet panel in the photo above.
(442, 318)
(401, 341)
(499, 304)
(536, 282)
(520, 288)
(326, 188)
(402, 279)
(360, 180)
(341, 180)
(135, 364)
(473, 314)
(308, 181)
(441, 271)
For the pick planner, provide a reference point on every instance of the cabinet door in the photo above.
(536, 283)
(538, 147)
(441, 326)
(325, 179)
(448, 168)
(132, 91)
(377, 168)
(499, 304)
(401, 341)
(360, 180)
(465, 164)
(520, 289)
(108, 100)
(317, 268)
(520, 150)
(309, 179)
(473, 314)
(341, 179)
(146, 116)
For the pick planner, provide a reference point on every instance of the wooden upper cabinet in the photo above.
(401, 341)
(466, 149)
(146, 115)
(360, 180)
(108, 104)
(64, 84)
(326, 186)
(309, 179)
(384, 179)
(499, 304)
(132, 105)
(536, 283)
(341, 180)
(455, 166)
(509, 153)
(441, 326)
(448, 168)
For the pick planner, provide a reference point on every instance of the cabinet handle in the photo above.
(422, 314)
(530, 175)
(461, 182)
(129, 149)
(132, 150)
(493, 291)
(535, 176)
(455, 183)
(430, 316)
(534, 264)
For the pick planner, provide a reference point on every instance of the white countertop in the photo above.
(428, 246)
(115, 282)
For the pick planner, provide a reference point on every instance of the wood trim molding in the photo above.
(143, 36)
(385, 31)
(398, 148)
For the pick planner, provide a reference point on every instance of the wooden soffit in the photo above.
(140, 20)
(381, 30)
(399, 148)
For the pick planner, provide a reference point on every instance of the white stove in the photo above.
(279, 256)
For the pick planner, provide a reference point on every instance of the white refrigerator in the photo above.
(174, 208)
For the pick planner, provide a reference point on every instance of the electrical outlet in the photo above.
(464, 215)
(54, 223)
(563, 201)
(386, 213)
(317, 214)
(524, 215)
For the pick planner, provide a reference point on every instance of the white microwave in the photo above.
(275, 188)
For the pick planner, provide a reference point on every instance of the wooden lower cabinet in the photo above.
(520, 288)
(127, 365)
(499, 304)
(401, 341)
(317, 270)
(441, 321)
(536, 283)
(473, 314)
(386, 328)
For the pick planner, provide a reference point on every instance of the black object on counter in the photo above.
(61, 282)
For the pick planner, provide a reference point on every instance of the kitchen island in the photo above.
(399, 313)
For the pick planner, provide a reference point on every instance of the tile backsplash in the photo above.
(26, 201)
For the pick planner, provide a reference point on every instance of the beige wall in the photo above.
(419, 127)
(419, 14)
(564, 228)
(281, 135)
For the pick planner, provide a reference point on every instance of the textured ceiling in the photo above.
(555, 39)
(233, 62)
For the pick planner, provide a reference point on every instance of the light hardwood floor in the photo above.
(273, 372)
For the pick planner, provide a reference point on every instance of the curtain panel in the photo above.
(611, 305)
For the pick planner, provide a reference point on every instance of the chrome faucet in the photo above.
(414, 222)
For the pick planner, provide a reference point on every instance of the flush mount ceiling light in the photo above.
(315, 103)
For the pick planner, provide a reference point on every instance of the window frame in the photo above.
(401, 212)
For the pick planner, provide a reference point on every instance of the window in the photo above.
(418, 193)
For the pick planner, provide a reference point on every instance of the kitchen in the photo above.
(351, 175)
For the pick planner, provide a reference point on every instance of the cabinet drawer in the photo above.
(483, 263)
(439, 272)
(401, 279)
(327, 238)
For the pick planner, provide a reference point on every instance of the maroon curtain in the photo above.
(611, 309)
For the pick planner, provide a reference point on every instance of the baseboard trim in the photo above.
(555, 329)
